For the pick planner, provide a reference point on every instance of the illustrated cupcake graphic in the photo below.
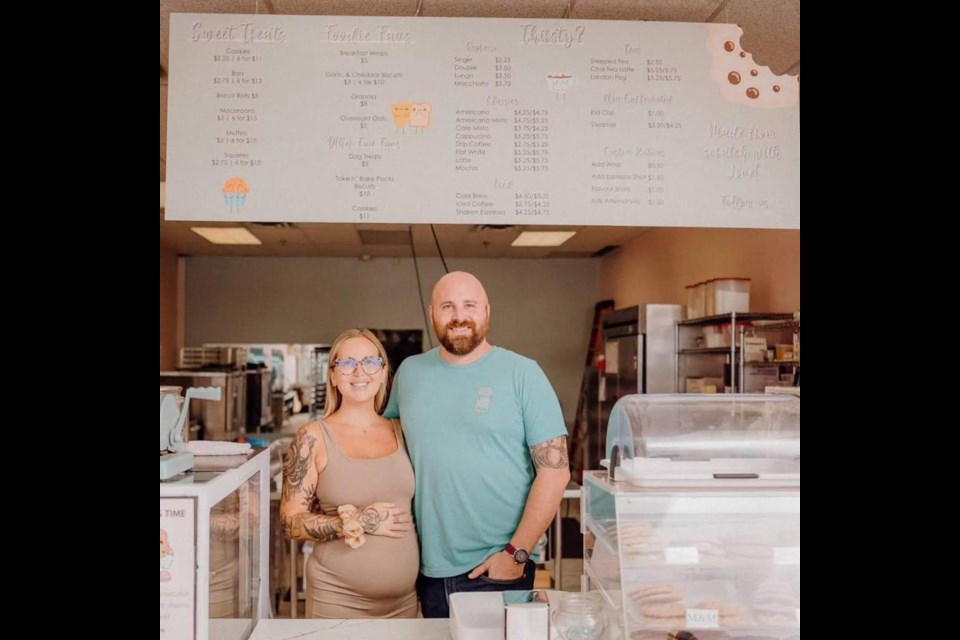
(235, 192)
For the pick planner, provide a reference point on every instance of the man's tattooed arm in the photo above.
(550, 460)
(551, 454)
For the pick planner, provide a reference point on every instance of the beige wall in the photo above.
(539, 308)
(168, 308)
(658, 265)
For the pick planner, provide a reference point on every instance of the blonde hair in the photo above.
(333, 394)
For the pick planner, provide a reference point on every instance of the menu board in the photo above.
(486, 121)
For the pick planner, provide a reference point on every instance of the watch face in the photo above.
(521, 555)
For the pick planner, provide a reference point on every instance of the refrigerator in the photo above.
(639, 356)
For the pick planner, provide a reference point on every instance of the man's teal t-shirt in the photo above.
(469, 429)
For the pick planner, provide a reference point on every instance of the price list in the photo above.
(531, 140)
(238, 86)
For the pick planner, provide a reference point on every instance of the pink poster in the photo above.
(177, 561)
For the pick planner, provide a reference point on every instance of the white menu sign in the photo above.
(494, 121)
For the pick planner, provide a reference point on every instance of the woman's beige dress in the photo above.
(379, 578)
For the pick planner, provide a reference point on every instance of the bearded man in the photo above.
(489, 449)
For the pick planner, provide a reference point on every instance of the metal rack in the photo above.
(225, 356)
(777, 326)
(686, 341)
(733, 316)
(787, 325)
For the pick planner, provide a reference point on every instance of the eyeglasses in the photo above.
(369, 365)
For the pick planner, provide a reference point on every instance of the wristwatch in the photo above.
(520, 556)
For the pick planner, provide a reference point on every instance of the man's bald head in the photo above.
(460, 311)
(459, 284)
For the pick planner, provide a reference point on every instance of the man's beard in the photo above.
(463, 344)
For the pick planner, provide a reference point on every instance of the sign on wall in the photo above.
(492, 121)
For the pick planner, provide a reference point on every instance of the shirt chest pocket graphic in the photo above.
(484, 396)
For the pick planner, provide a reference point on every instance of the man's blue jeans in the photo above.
(434, 593)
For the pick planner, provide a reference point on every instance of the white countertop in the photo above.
(360, 629)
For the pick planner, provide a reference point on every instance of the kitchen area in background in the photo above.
(262, 386)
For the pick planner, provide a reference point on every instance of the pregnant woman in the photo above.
(348, 486)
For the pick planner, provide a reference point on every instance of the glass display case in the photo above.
(699, 535)
(668, 436)
(214, 540)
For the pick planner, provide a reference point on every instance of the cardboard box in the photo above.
(716, 336)
(783, 352)
(754, 349)
(756, 378)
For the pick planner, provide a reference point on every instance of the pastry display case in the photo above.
(214, 548)
(697, 534)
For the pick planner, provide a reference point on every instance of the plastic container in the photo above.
(691, 301)
(730, 294)
(700, 297)
(717, 335)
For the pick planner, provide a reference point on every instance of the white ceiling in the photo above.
(771, 32)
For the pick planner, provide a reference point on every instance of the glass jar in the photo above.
(580, 616)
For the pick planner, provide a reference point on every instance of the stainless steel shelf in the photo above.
(776, 326)
(741, 317)
(693, 352)
(736, 324)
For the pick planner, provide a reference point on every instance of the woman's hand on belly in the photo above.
(385, 519)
